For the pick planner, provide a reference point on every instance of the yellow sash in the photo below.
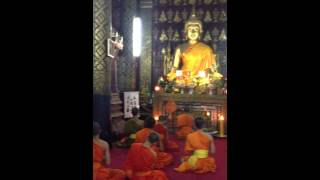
(132, 136)
(199, 153)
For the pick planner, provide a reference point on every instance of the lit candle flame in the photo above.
(156, 118)
(157, 88)
(208, 113)
(221, 118)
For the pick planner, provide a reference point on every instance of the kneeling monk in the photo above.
(141, 160)
(198, 143)
(101, 156)
(161, 128)
(163, 158)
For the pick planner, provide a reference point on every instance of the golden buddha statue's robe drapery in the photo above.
(196, 57)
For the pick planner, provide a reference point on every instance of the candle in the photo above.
(157, 88)
(156, 118)
(202, 74)
(221, 131)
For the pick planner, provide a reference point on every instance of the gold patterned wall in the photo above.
(127, 64)
(146, 54)
(101, 63)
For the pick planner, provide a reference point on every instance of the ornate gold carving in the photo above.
(223, 16)
(163, 36)
(207, 2)
(184, 14)
(170, 32)
(177, 18)
(192, 2)
(214, 46)
(177, 2)
(215, 34)
(176, 36)
(207, 17)
(100, 78)
(163, 17)
(215, 15)
(207, 37)
(223, 35)
(170, 15)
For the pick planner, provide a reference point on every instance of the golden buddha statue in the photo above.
(194, 56)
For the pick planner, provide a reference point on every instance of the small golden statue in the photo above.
(167, 59)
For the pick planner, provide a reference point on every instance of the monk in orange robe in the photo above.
(163, 158)
(101, 156)
(184, 124)
(141, 160)
(161, 128)
(198, 143)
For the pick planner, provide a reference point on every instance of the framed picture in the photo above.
(131, 100)
(112, 49)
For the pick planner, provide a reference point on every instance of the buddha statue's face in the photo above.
(193, 32)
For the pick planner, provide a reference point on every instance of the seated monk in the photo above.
(184, 124)
(130, 128)
(163, 159)
(161, 128)
(141, 161)
(198, 144)
(101, 157)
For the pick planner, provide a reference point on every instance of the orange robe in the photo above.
(140, 164)
(184, 123)
(197, 141)
(100, 171)
(168, 144)
(163, 159)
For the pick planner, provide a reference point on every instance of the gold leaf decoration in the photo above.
(215, 15)
(207, 2)
(223, 35)
(207, 17)
(177, 2)
(223, 16)
(207, 37)
(163, 36)
(170, 15)
(176, 36)
(170, 32)
(177, 18)
(163, 17)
